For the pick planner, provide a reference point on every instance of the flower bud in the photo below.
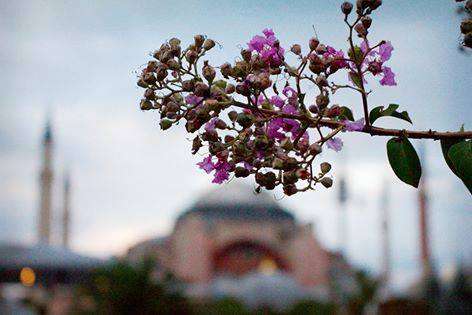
(374, 4)
(240, 171)
(149, 78)
(325, 167)
(468, 40)
(188, 85)
(233, 115)
(146, 105)
(151, 66)
(208, 72)
(315, 149)
(322, 100)
(244, 120)
(243, 89)
(165, 124)
(334, 111)
(360, 29)
(466, 26)
(226, 69)
(208, 44)
(199, 39)
(201, 89)
(220, 124)
(327, 182)
(149, 94)
(141, 83)
(289, 178)
(230, 88)
(302, 174)
(321, 80)
(366, 21)
(174, 42)
(261, 142)
(346, 8)
(321, 49)
(290, 190)
(290, 164)
(286, 144)
(191, 56)
(296, 49)
(173, 64)
(246, 54)
(313, 109)
(196, 145)
(375, 67)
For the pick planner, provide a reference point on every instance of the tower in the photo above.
(342, 224)
(385, 209)
(45, 188)
(66, 211)
(423, 220)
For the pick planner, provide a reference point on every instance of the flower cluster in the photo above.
(254, 116)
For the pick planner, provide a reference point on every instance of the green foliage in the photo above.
(460, 155)
(121, 288)
(367, 289)
(356, 79)
(310, 307)
(446, 144)
(404, 160)
(391, 111)
(225, 306)
(346, 113)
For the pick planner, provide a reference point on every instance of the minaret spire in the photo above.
(66, 211)
(45, 187)
(386, 260)
(423, 219)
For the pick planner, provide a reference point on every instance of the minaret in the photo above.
(66, 212)
(45, 188)
(342, 224)
(386, 260)
(423, 220)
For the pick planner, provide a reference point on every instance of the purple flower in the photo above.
(277, 101)
(291, 95)
(388, 77)
(357, 125)
(222, 168)
(207, 165)
(273, 128)
(338, 56)
(193, 99)
(210, 126)
(257, 43)
(385, 51)
(247, 166)
(268, 32)
(335, 144)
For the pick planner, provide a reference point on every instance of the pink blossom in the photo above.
(385, 51)
(268, 32)
(357, 125)
(388, 77)
(277, 101)
(222, 168)
(193, 99)
(247, 166)
(337, 55)
(335, 144)
(257, 43)
(207, 165)
(273, 128)
(291, 95)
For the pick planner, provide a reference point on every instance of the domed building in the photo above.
(231, 232)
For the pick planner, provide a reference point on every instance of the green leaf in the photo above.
(460, 155)
(404, 161)
(346, 113)
(391, 111)
(446, 144)
(356, 79)
(356, 54)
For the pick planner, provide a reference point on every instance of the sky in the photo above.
(76, 62)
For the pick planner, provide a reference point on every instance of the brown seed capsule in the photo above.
(325, 167)
(208, 72)
(149, 78)
(233, 115)
(199, 39)
(327, 182)
(240, 171)
(468, 40)
(360, 29)
(313, 109)
(196, 145)
(374, 4)
(145, 105)
(313, 43)
(201, 89)
(141, 83)
(191, 56)
(165, 124)
(366, 21)
(315, 149)
(321, 80)
(151, 66)
(296, 49)
(149, 94)
(188, 85)
(466, 26)
(208, 44)
(230, 89)
(322, 101)
(226, 69)
(290, 190)
(246, 54)
(174, 42)
(173, 64)
(346, 8)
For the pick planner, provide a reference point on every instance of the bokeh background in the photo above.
(75, 63)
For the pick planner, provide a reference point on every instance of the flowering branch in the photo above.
(259, 116)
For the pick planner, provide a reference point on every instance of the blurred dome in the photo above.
(236, 200)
